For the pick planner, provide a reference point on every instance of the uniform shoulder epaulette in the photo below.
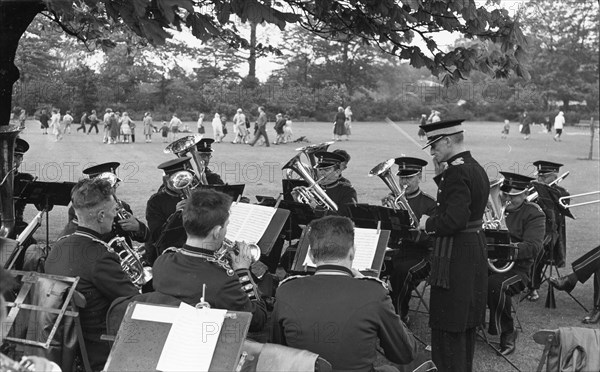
(170, 250)
(383, 284)
(290, 278)
(536, 206)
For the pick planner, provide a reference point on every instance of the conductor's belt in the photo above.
(472, 227)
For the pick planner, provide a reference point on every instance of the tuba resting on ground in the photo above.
(131, 262)
(8, 136)
(384, 171)
(494, 222)
(313, 194)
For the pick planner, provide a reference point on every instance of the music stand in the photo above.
(235, 191)
(45, 195)
(300, 214)
(374, 216)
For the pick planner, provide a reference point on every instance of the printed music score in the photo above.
(192, 339)
(248, 222)
(365, 244)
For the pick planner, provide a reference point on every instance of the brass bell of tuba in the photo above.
(131, 262)
(187, 145)
(182, 181)
(493, 219)
(384, 171)
(8, 136)
(313, 194)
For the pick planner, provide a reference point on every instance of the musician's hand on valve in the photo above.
(130, 223)
(388, 200)
(243, 259)
(423, 222)
(181, 204)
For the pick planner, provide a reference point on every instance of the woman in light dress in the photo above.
(217, 126)
(55, 124)
(126, 127)
(348, 123)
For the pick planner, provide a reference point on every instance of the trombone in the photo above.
(563, 204)
(534, 196)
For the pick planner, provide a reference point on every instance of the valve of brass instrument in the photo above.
(231, 250)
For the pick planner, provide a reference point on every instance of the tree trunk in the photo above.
(15, 17)
(252, 57)
(592, 131)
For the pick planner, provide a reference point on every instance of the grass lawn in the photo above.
(371, 142)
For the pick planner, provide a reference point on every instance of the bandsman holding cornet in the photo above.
(126, 224)
(183, 272)
(411, 261)
(526, 224)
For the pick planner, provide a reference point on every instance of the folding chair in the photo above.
(50, 325)
(569, 349)
(420, 294)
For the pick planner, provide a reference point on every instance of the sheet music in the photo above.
(365, 244)
(248, 222)
(192, 339)
(153, 313)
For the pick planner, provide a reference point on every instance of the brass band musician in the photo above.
(126, 224)
(526, 224)
(86, 255)
(329, 177)
(556, 248)
(411, 262)
(21, 147)
(181, 273)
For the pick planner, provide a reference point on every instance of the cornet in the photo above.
(229, 247)
(383, 171)
(131, 262)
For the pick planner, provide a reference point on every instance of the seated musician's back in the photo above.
(338, 313)
(84, 254)
(182, 273)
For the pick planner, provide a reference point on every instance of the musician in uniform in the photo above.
(204, 152)
(556, 248)
(583, 268)
(338, 313)
(84, 254)
(411, 260)
(329, 177)
(181, 273)
(20, 183)
(162, 205)
(526, 224)
(459, 261)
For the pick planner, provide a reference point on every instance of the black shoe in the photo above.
(508, 342)
(593, 318)
(564, 283)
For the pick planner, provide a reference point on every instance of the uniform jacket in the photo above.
(341, 318)
(20, 224)
(341, 193)
(527, 227)
(101, 280)
(181, 276)
(463, 190)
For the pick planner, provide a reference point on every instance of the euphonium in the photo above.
(493, 219)
(309, 151)
(185, 145)
(313, 194)
(384, 171)
(131, 262)
(229, 247)
(8, 136)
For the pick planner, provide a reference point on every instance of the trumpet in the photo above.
(131, 262)
(313, 194)
(230, 246)
(384, 171)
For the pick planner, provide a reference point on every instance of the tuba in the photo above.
(185, 145)
(309, 151)
(493, 219)
(313, 194)
(384, 171)
(131, 262)
(8, 136)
